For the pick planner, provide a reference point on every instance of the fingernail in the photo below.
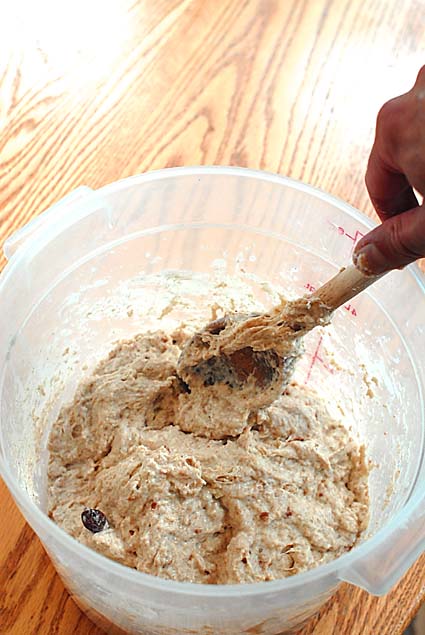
(370, 260)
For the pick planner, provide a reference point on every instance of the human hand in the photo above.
(396, 166)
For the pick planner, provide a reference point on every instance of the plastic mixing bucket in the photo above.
(65, 295)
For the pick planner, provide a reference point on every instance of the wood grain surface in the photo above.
(94, 91)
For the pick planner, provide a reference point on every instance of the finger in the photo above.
(389, 190)
(394, 244)
(397, 164)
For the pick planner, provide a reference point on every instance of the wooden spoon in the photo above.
(261, 350)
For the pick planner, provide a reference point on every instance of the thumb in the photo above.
(399, 241)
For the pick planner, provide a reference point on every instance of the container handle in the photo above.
(383, 567)
(24, 234)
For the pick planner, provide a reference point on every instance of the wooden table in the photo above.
(94, 91)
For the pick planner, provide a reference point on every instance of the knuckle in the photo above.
(401, 241)
(389, 110)
(389, 123)
(397, 243)
(420, 80)
(399, 131)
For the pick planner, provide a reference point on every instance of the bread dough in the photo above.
(279, 330)
(284, 493)
(246, 360)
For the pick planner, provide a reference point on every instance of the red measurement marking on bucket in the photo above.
(315, 359)
(348, 307)
(354, 237)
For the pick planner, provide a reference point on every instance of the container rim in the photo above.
(41, 520)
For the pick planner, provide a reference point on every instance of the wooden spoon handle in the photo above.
(347, 283)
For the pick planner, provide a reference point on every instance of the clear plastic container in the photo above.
(63, 289)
